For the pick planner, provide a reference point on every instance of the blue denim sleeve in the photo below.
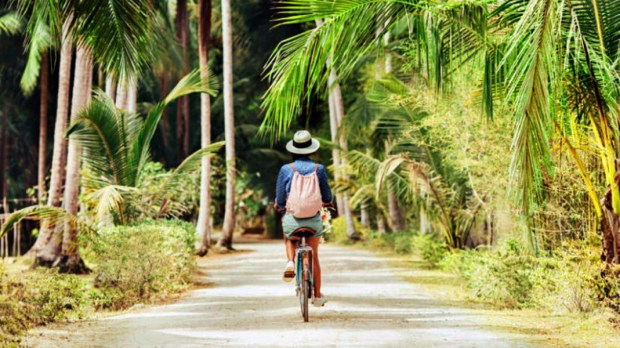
(326, 192)
(283, 179)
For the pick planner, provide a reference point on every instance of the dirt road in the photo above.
(248, 305)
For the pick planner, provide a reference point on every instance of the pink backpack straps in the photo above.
(293, 167)
(316, 168)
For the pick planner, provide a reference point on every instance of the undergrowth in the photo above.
(130, 264)
(570, 279)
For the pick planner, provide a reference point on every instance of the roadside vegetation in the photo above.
(142, 263)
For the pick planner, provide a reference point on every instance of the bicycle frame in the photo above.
(301, 251)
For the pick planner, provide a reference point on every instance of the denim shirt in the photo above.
(303, 166)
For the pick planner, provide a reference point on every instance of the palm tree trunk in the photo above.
(132, 95)
(70, 260)
(365, 216)
(110, 87)
(204, 215)
(229, 128)
(122, 94)
(4, 144)
(425, 225)
(333, 124)
(337, 108)
(397, 222)
(381, 224)
(164, 116)
(43, 125)
(182, 131)
(396, 216)
(59, 158)
(339, 111)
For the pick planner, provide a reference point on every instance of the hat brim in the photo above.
(290, 147)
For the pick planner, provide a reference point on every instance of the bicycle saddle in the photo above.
(302, 232)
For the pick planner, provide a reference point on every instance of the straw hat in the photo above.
(302, 143)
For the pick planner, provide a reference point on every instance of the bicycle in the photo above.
(304, 263)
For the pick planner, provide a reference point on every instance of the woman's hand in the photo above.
(278, 209)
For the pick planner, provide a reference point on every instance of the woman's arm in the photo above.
(326, 192)
(283, 178)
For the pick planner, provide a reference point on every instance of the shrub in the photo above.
(141, 262)
(339, 230)
(55, 296)
(505, 277)
(37, 297)
(431, 249)
(402, 243)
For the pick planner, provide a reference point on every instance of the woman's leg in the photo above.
(316, 267)
(290, 249)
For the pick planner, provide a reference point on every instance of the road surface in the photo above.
(248, 305)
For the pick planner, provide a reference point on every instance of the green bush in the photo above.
(431, 249)
(381, 241)
(339, 230)
(141, 262)
(402, 243)
(37, 297)
(505, 277)
(571, 279)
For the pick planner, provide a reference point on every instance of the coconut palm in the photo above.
(450, 33)
(117, 149)
(204, 215)
(562, 50)
(38, 61)
(182, 123)
(45, 256)
(229, 128)
(115, 33)
(556, 50)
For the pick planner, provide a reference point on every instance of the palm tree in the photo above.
(116, 36)
(204, 215)
(38, 61)
(117, 149)
(580, 34)
(182, 124)
(47, 256)
(69, 260)
(336, 116)
(229, 129)
(42, 170)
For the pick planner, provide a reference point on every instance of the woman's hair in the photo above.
(298, 156)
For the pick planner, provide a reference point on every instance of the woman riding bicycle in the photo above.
(301, 189)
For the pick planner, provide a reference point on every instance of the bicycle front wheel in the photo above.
(303, 299)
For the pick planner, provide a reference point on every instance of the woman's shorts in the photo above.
(291, 223)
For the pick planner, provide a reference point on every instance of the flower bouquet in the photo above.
(326, 217)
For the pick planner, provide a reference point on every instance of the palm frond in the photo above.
(11, 23)
(190, 164)
(532, 57)
(116, 31)
(103, 130)
(108, 200)
(40, 43)
(52, 215)
(43, 14)
(191, 83)
(297, 67)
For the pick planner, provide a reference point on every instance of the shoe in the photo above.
(319, 301)
(289, 272)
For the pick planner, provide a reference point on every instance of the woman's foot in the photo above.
(289, 272)
(319, 301)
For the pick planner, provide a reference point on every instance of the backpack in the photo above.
(304, 199)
